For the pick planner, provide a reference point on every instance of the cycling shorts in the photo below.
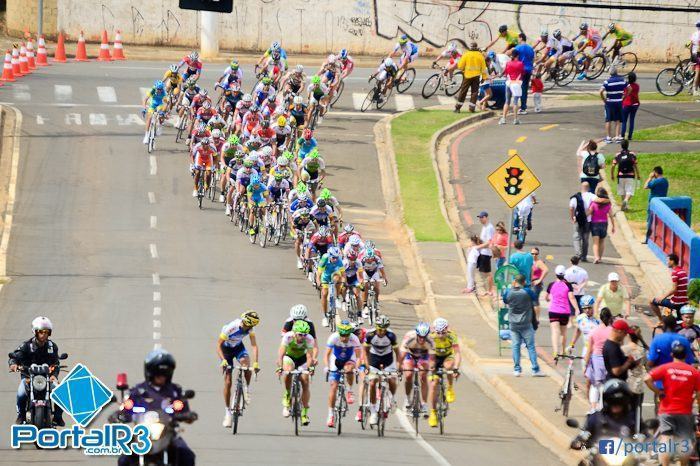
(594, 48)
(624, 42)
(156, 107)
(203, 162)
(299, 363)
(330, 75)
(440, 360)
(420, 360)
(234, 352)
(371, 276)
(376, 362)
(258, 203)
(337, 365)
(352, 281)
(187, 74)
(409, 57)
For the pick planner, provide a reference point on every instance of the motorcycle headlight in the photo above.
(156, 430)
(39, 383)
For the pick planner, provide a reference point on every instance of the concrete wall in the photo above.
(363, 26)
(23, 14)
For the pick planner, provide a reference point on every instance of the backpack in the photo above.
(590, 165)
(625, 161)
(580, 211)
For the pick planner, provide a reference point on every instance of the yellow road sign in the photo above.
(513, 181)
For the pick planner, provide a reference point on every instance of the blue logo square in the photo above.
(606, 447)
(81, 395)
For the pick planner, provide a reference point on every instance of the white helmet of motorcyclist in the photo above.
(42, 323)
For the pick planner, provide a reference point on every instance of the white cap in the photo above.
(560, 270)
(613, 277)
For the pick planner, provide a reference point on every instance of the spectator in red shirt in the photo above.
(513, 72)
(630, 104)
(681, 385)
(677, 296)
(537, 87)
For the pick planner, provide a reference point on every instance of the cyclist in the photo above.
(194, 66)
(296, 353)
(330, 73)
(258, 196)
(300, 221)
(346, 62)
(504, 33)
(321, 214)
(313, 171)
(204, 152)
(306, 143)
(330, 272)
(622, 39)
(229, 347)
(155, 101)
(263, 90)
(372, 270)
(242, 109)
(342, 353)
(417, 350)
(191, 90)
(298, 111)
(593, 40)
(276, 66)
(282, 134)
(695, 57)
(275, 46)
(251, 120)
(353, 269)
(381, 353)
(293, 81)
(524, 210)
(232, 74)
(348, 232)
(453, 54)
(232, 94)
(586, 322)
(299, 312)
(202, 114)
(407, 50)
(319, 242)
(278, 187)
(448, 357)
(172, 81)
(549, 47)
(317, 94)
(385, 74)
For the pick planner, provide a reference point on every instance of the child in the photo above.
(472, 256)
(536, 87)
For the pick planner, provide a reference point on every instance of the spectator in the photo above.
(522, 311)
(523, 261)
(657, 185)
(473, 66)
(636, 349)
(586, 322)
(630, 105)
(513, 72)
(581, 220)
(680, 386)
(500, 243)
(561, 299)
(600, 213)
(613, 296)
(527, 56)
(677, 296)
(539, 273)
(695, 56)
(625, 166)
(595, 372)
(578, 277)
(688, 328)
(485, 253)
(592, 163)
(537, 87)
(472, 260)
(611, 93)
(662, 343)
(617, 364)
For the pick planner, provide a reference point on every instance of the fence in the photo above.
(670, 220)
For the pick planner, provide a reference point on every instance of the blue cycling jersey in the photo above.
(257, 194)
(306, 146)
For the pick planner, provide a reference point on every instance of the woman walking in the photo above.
(600, 212)
(560, 295)
(539, 273)
(630, 105)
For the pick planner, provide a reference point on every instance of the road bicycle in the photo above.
(404, 79)
(200, 186)
(315, 115)
(416, 405)
(338, 91)
(521, 224)
(567, 389)
(441, 82)
(561, 74)
(442, 406)
(216, 174)
(672, 81)
(332, 310)
(385, 399)
(237, 403)
(350, 303)
(295, 403)
(378, 95)
(372, 303)
(258, 230)
(184, 124)
(157, 119)
(340, 409)
(625, 63)
(279, 222)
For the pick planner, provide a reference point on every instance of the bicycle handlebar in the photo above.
(566, 356)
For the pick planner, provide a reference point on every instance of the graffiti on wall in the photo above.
(435, 23)
(168, 27)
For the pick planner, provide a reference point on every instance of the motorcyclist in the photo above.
(157, 391)
(616, 419)
(37, 350)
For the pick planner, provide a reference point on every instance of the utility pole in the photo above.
(209, 36)
(40, 15)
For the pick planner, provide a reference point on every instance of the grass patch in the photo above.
(684, 131)
(643, 96)
(411, 134)
(683, 172)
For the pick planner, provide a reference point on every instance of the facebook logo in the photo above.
(606, 447)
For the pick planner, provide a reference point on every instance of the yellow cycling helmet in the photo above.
(281, 121)
(250, 318)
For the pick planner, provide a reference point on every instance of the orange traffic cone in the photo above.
(104, 48)
(7, 74)
(30, 54)
(81, 52)
(15, 62)
(118, 48)
(60, 54)
(42, 58)
(23, 62)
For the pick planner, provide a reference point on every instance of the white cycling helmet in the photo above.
(173, 68)
(216, 133)
(42, 323)
(354, 240)
(267, 151)
(282, 161)
(451, 47)
(388, 62)
(247, 98)
(300, 68)
(194, 55)
(440, 324)
(298, 311)
(331, 58)
(298, 99)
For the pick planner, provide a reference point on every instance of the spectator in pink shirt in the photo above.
(514, 71)
(595, 372)
(600, 212)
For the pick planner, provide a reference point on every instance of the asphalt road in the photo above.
(109, 244)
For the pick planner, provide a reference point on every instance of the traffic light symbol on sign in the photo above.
(513, 181)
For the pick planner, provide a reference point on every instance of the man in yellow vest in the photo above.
(473, 65)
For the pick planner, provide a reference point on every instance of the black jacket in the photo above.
(29, 353)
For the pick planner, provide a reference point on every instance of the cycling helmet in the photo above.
(247, 98)
(216, 133)
(301, 327)
(315, 80)
(254, 108)
(345, 328)
(250, 318)
(616, 392)
(194, 55)
(326, 194)
(248, 164)
(298, 100)
(255, 179)
(206, 104)
(423, 329)
(321, 203)
(266, 151)
(173, 69)
(279, 176)
(159, 85)
(298, 311)
(370, 244)
(314, 154)
(301, 188)
(203, 92)
(334, 251)
(388, 63)
(266, 80)
(307, 134)
(281, 121)
(688, 309)
(440, 325)
(491, 55)
(352, 255)
(349, 228)
(303, 212)
(502, 28)
(239, 154)
(205, 140)
(233, 140)
(331, 58)
(369, 253)
(265, 124)
(42, 323)
(343, 54)
(611, 27)
(355, 240)
(382, 322)
(587, 301)
(282, 161)
(403, 39)
(544, 33)
(275, 45)
(191, 83)
(299, 68)
(159, 362)
(324, 230)
(234, 65)
(303, 197)
(557, 34)
(583, 27)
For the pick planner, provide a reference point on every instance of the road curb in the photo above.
(506, 397)
(9, 163)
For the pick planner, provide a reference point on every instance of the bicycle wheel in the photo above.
(338, 92)
(364, 407)
(667, 82)
(549, 81)
(255, 227)
(339, 399)
(236, 408)
(415, 404)
(382, 100)
(566, 399)
(566, 74)
(314, 117)
(369, 99)
(352, 310)
(296, 409)
(598, 64)
(453, 86)
(626, 63)
(152, 135)
(406, 80)
(380, 412)
(440, 409)
(262, 235)
(432, 84)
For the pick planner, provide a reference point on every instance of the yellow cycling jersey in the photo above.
(444, 344)
(174, 78)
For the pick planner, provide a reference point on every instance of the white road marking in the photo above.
(74, 119)
(21, 92)
(156, 296)
(151, 197)
(156, 311)
(403, 420)
(157, 346)
(129, 119)
(154, 251)
(154, 221)
(357, 99)
(40, 120)
(404, 102)
(445, 100)
(156, 279)
(98, 119)
(106, 94)
(11, 191)
(154, 165)
(156, 323)
(333, 114)
(71, 104)
(156, 335)
(62, 92)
